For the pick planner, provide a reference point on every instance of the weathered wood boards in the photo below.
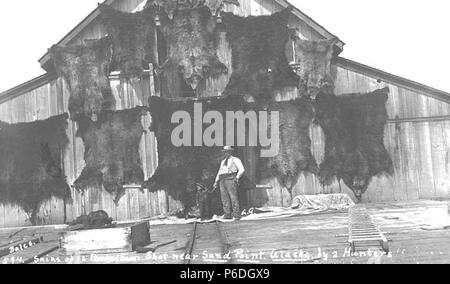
(116, 240)
(19, 246)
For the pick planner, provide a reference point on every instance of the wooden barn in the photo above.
(417, 135)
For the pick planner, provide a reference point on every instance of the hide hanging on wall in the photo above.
(30, 168)
(313, 60)
(295, 156)
(171, 6)
(86, 68)
(177, 167)
(182, 168)
(191, 44)
(258, 47)
(354, 131)
(134, 38)
(167, 6)
(112, 151)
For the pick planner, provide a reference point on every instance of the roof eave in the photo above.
(27, 87)
(338, 61)
(45, 59)
(316, 26)
(392, 79)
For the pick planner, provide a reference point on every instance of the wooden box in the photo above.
(122, 239)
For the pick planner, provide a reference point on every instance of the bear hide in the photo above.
(295, 156)
(313, 60)
(86, 69)
(191, 45)
(171, 6)
(30, 168)
(258, 45)
(182, 169)
(133, 36)
(354, 130)
(112, 151)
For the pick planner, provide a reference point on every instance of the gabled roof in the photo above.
(44, 60)
(313, 24)
(339, 61)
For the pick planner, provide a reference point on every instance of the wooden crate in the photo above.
(124, 238)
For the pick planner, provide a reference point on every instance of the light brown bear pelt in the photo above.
(313, 59)
(112, 151)
(295, 154)
(191, 45)
(86, 69)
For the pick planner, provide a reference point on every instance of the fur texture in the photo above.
(295, 143)
(354, 130)
(171, 6)
(181, 169)
(208, 201)
(133, 37)
(86, 68)
(30, 168)
(191, 44)
(258, 50)
(314, 66)
(95, 220)
(112, 151)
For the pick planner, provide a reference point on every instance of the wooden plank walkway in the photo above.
(301, 239)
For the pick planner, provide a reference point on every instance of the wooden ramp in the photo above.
(363, 233)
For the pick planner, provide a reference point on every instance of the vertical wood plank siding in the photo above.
(420, 150)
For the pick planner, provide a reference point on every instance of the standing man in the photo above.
(230, 172)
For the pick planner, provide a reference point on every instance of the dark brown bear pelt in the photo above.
(191, 45)
(133, 36)
(354, 130)
(30, 167)
(258, 47)
(86, 69)
(95, 220)
(182, 169)
(313, 60)
(176, 167)
(295, 157)
(112, 151)
(208, 201)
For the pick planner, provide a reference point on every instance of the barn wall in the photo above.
(36, 105)
(420, 150)
(52, 99)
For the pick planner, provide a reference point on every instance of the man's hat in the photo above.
(228, 149)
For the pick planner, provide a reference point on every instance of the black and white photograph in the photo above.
(224, 133)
